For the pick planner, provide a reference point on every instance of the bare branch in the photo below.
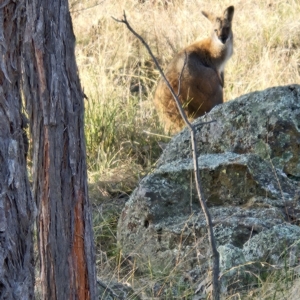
(180, 75)
(179, 106)
(215, 253)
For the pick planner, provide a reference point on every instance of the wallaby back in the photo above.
(202, 81)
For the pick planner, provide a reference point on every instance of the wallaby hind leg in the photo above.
(166, 107)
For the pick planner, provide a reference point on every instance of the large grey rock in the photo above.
(250, 172)
(265, 123)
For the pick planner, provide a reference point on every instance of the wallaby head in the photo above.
(221, 24)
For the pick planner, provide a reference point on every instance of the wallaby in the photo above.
(202, 80)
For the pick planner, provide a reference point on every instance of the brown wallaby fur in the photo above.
(202, 81)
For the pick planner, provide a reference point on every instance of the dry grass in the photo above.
(118, 77)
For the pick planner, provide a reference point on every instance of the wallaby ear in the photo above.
(228, 13)
(208, 15)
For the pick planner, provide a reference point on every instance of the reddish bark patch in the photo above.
(78, 253)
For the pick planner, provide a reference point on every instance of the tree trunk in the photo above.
(16, 204)
(54, 101)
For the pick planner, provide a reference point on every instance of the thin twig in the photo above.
(180, 75)
(86, 8)
(156, 134)
(203, 123)
(215, 253)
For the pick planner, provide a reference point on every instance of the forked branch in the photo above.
(215, 253)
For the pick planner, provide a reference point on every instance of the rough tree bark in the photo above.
(54, 101)
(16, 204)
